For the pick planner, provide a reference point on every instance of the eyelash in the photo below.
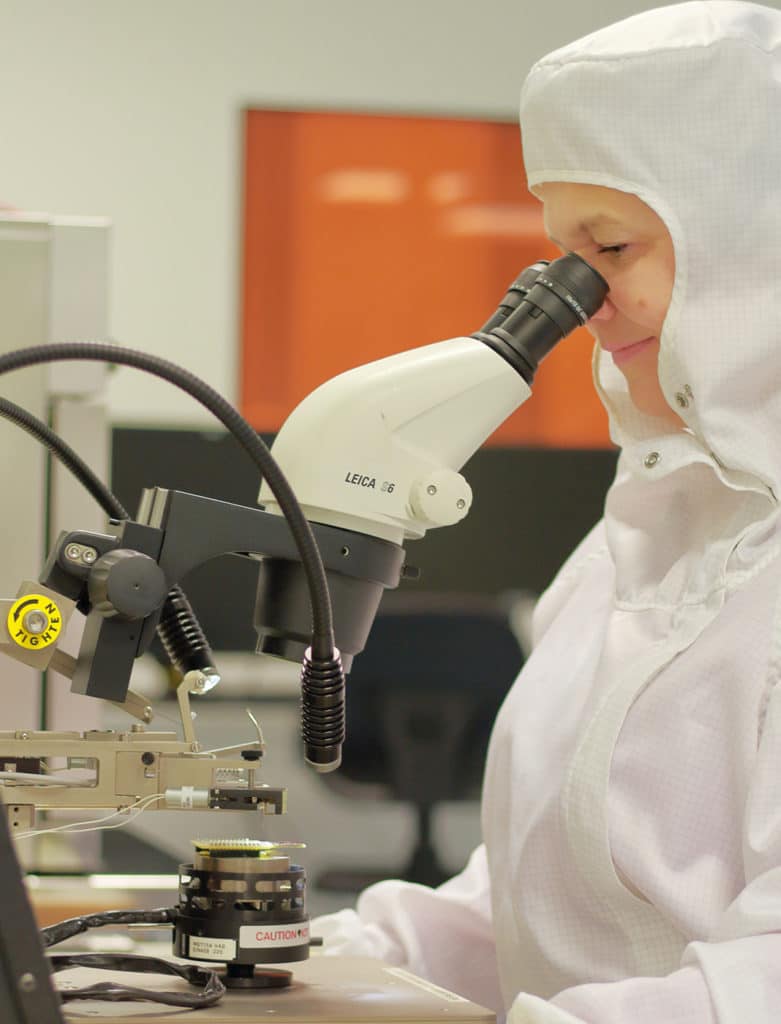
(617, 249)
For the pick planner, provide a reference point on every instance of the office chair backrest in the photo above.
(423, 695)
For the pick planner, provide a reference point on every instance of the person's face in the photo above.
(628, 243)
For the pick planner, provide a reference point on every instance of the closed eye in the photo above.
(612, 248)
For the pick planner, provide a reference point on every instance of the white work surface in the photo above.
(331, 990)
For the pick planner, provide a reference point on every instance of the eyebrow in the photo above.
(589, 223)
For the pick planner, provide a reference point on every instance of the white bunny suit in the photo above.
(631, 866)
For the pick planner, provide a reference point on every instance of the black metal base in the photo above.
(253, 976)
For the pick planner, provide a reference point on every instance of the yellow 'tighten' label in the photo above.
(34, 622)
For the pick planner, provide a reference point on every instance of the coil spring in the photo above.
(181, 634)
(322, 709)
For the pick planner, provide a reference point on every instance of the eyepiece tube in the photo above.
(564, 295)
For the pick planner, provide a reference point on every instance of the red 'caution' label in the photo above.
(274, 936)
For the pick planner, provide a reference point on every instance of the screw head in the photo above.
(73, 551)
(35, 621)
(431, 489)
(28, 982)
(651, 459)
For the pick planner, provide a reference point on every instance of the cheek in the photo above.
(646, 306)
(654, 308)
(653, 299)
(629, 301)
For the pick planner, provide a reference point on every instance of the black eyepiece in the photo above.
(517, 291)
(564, 295)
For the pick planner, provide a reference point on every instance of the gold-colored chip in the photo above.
(249, 847)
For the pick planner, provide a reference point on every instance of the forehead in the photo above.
(574, 208)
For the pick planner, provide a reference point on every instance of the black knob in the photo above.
(126, 585)
(252, 755)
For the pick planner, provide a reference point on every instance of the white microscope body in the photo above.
(377, 449)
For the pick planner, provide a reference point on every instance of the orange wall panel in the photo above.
(368, 234)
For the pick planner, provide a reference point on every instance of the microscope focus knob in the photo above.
(441, 498)
(126, 584)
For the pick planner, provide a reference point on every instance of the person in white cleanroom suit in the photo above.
(631, 867)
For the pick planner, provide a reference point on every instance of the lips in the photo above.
(625, 353)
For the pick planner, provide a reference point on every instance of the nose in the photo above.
(605, 312)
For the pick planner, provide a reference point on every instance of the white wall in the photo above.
(131, 109)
